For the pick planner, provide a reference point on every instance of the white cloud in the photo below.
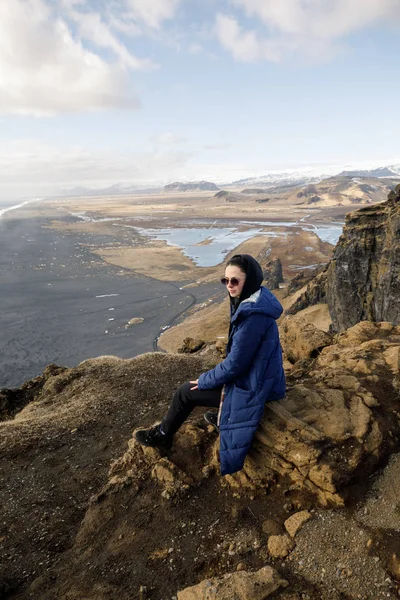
(245, 46)
(320, 18)
(289, 28)
(153, 12)
(46, 66)
(168, 139)
(44, 70)
(92, 27)
(29, 167)
(195, 48)
(218, 146)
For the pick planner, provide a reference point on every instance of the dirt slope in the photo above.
(98, 517)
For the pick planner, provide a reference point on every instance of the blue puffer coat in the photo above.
(252, 374)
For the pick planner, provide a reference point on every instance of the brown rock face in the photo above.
(362, 281)
(314, 294)
(273, 274)
(302, 279)
(191, 345)
(363, 278)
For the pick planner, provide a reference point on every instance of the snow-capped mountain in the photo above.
(286, 179)
(280, 179)
(391, 171)
(306, 177)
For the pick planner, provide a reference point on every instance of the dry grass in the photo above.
(208, 324)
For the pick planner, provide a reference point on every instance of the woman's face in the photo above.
(233, 272)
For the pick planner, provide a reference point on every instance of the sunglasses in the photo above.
(234, 281)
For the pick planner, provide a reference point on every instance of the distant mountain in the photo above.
(279, 180)
(229, 196)
(296, 178)
(117, 189)
(379, 172)
(191, 186)
(343, 191)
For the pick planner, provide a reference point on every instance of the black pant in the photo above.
(183, 402)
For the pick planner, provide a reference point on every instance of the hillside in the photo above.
(343, 191)
(99, 516)
(346, 191)
(193, 186)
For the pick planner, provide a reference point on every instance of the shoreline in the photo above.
(63, 304)
(7, 209)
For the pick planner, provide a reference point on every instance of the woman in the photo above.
(251, 374)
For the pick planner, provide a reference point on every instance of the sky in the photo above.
(147, 92)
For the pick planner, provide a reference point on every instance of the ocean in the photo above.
(13, 205)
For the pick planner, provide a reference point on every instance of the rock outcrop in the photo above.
(165, 522)
(339, 419)
(363, 277)
(301, 340)
(301, 279)
(314, 294)
(12, 401)
(191, 345)
(240, 586)
(273, 274)
(362, 281)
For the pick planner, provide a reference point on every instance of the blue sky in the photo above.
(152, 91)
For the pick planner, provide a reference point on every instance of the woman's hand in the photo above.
(195, 386)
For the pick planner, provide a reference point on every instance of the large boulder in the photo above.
(300, 339)
(191, 345)
(339, 419)
(243, 585)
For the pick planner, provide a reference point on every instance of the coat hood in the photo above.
(254, 277)
(262, 301)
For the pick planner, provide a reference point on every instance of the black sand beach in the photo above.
(60, 304)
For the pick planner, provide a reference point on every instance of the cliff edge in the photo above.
(362, 281)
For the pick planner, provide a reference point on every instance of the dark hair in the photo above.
(238, 261)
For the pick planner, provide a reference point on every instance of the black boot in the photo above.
(153, 437)
(211, 417)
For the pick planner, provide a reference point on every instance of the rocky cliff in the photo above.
(273, 274)
(362, 281)
(363, 278)
(101, 517)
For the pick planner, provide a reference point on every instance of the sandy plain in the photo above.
(296, 248)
